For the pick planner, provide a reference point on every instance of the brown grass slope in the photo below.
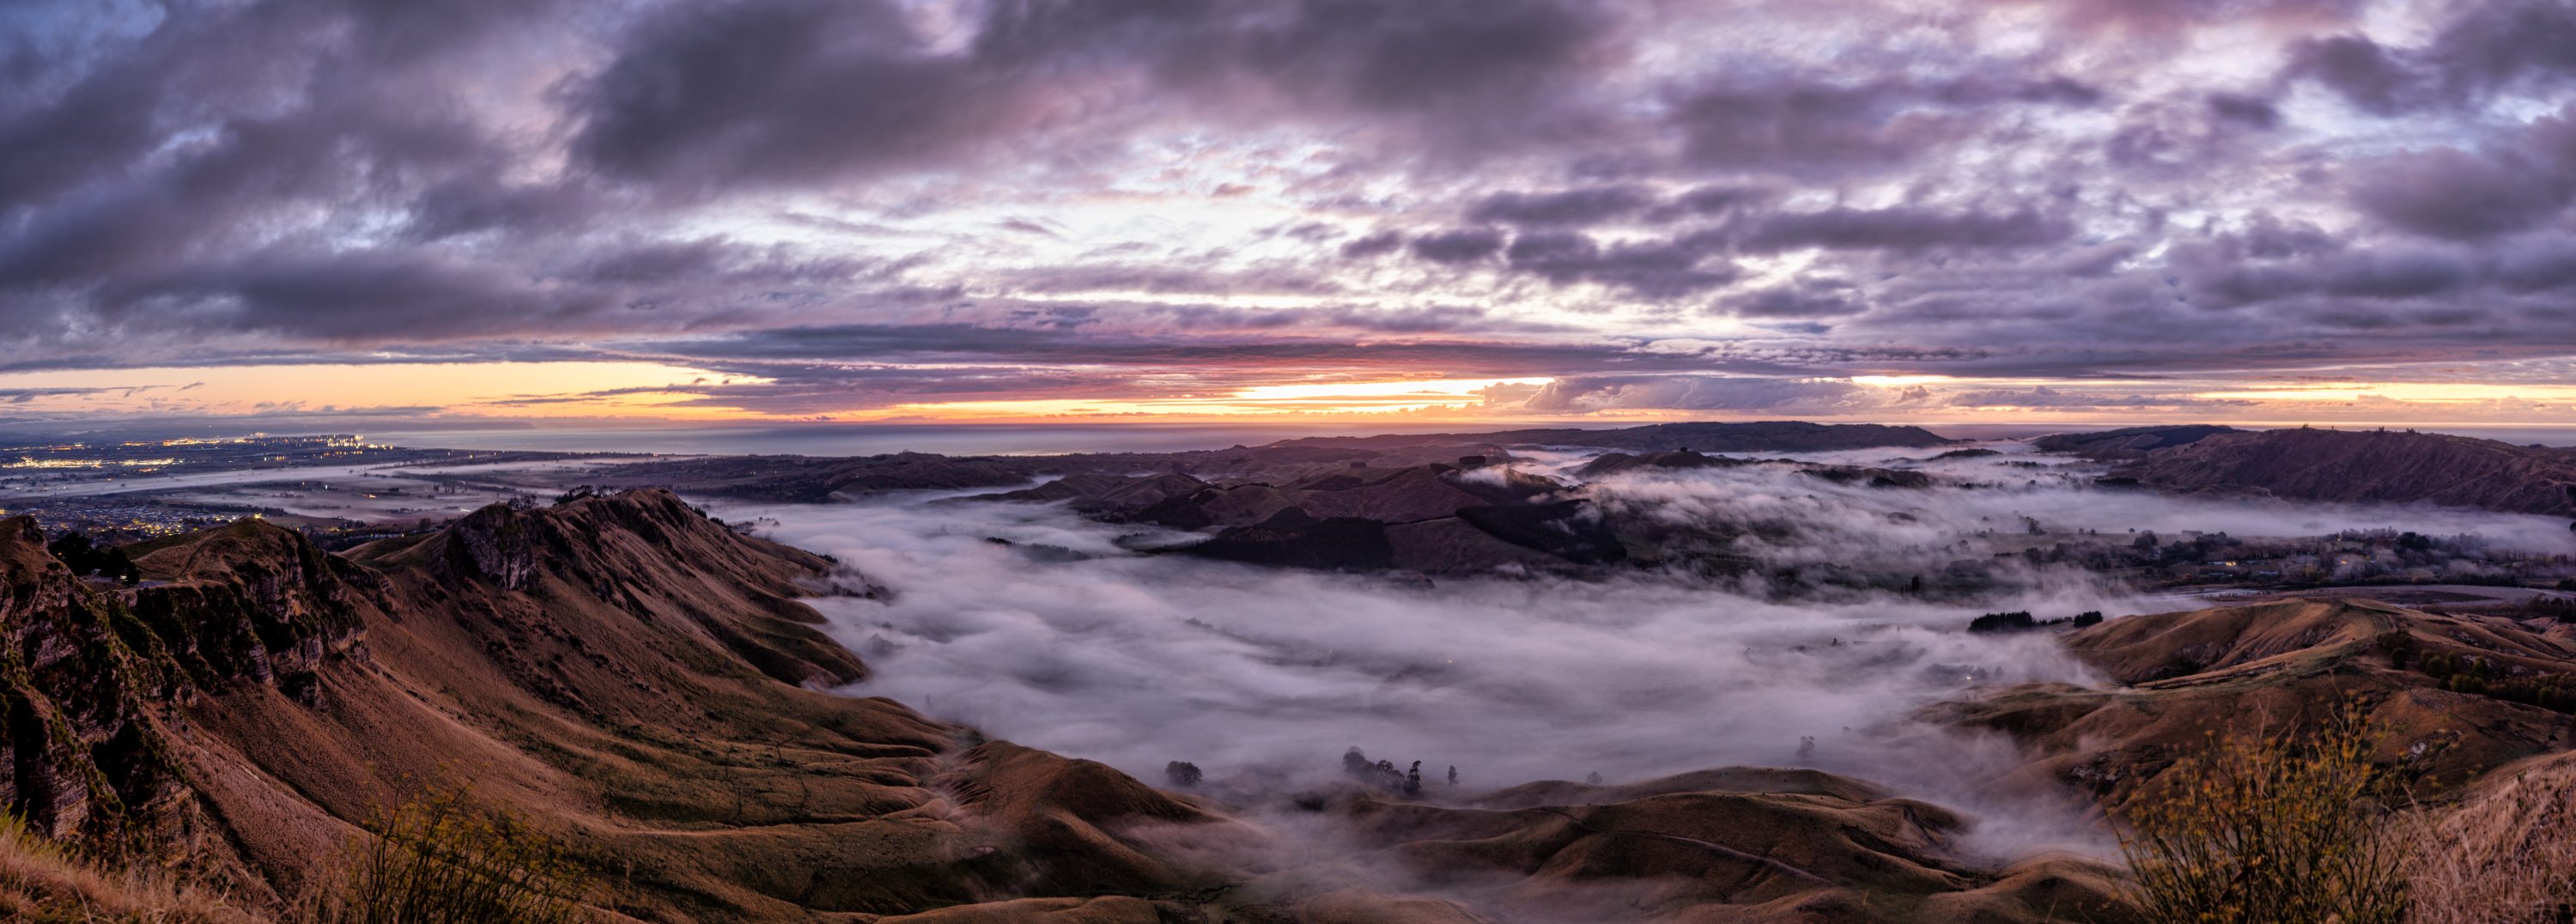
(2373, 465)
(626, 675)
(2504, 855)
(1738, 844)
(41, 883)
(2271, 668)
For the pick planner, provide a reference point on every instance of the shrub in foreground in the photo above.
(2268, 828)
(437, 859)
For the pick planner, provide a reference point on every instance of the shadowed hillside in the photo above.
(2458, 695)
(2382, 466)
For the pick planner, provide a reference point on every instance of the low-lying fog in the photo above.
(1061, 640)
(1262, 677)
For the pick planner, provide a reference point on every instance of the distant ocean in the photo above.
(1048, 439)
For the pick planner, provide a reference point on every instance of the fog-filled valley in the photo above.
(1029, 622)
(1840, 673)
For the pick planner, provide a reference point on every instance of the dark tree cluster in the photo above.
(2478, 676)
(1383, 774)
(2023, 621)
(87, 558)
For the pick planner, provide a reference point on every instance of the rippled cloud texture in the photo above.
(854, 207)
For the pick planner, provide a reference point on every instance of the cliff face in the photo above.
(252, 601)
(95, 674)
(78, 696)
(2381, 466)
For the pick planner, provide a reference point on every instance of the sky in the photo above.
(298, 213)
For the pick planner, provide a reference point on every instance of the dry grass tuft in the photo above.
(437, 859)
(42, 883)
(2506, 856)
(2271, 828)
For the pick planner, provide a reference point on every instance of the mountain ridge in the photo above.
(2366, 466)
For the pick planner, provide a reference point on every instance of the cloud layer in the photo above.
(851, 206)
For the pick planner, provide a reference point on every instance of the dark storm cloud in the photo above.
(2248, 111)
(1568, 207)
(2491, 48)
(1792, 301)
(1462, 245)
(1382, 242)
(2530, 44)
(1812, 127)
(2368, 75)
(784, 90)
(2510, 184)
(1907, 228)
(1477, 187)
(1649, 269)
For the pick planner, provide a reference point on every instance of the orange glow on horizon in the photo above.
(646, 392)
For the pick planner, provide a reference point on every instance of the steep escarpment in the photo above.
(82, 682)
(97, 676)
(628, 676)
(2381, 466)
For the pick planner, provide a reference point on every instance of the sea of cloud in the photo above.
(1059, 637)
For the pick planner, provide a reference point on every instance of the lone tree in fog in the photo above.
(1413, 780)
(1182, 774)
(1453, 774)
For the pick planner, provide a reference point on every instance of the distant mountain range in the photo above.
(1760, 436)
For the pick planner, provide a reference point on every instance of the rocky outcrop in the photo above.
(80, 682)
(94, 672)
(252, 601)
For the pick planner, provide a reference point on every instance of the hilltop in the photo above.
(2383, 466)
(2459, 695)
